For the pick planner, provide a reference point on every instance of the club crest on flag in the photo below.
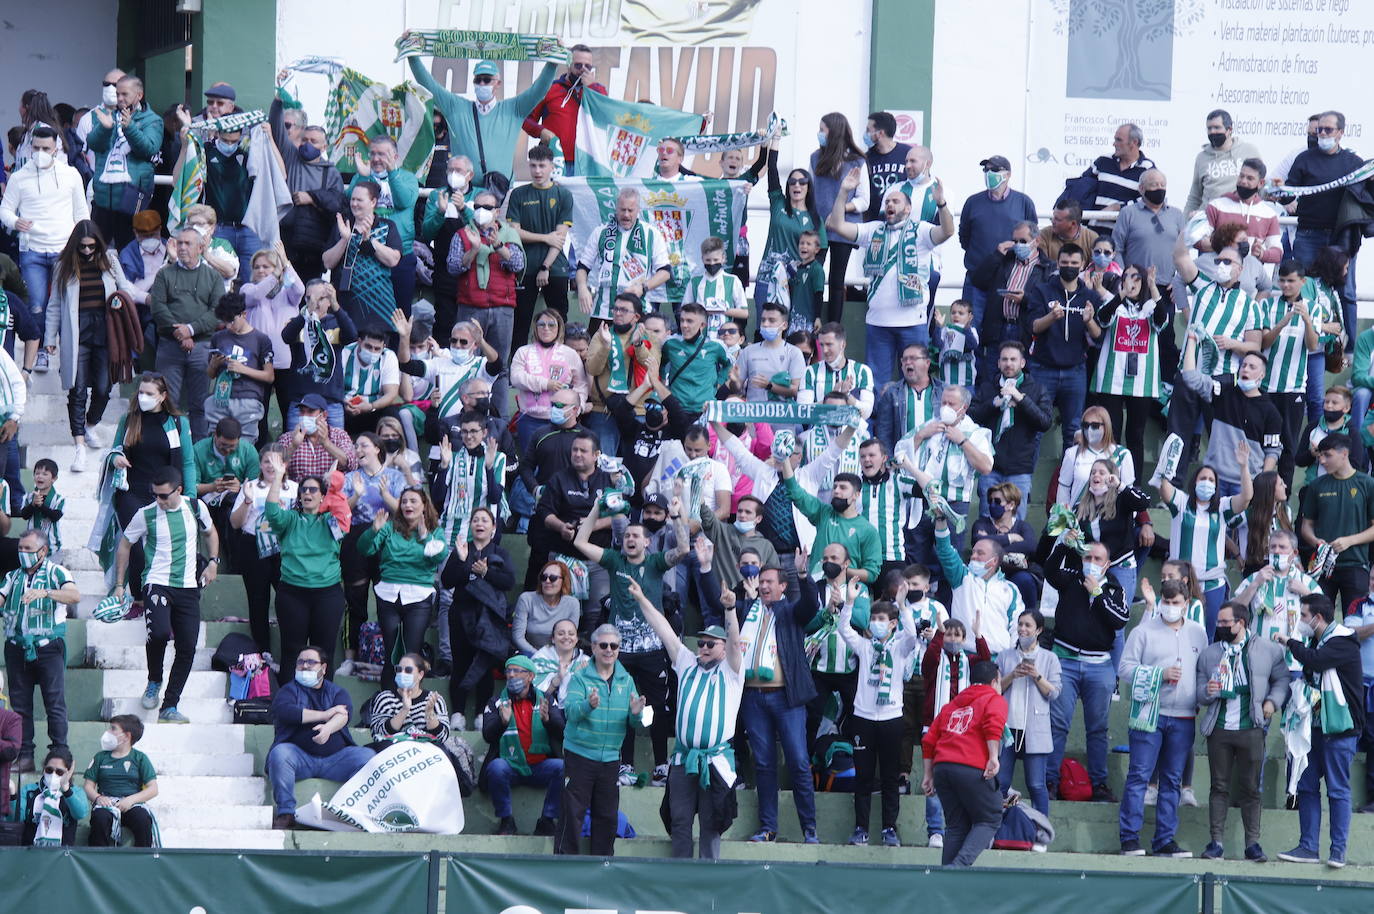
(626, 147)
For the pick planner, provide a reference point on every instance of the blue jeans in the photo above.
(1022, 481)
(935, 817)
(883, 349)
(332, 411)
(767, 719)
(604, 427)
(547, 774)
(1094, 684)
(1126, 577)
(37, 269)
(1329, 758)
(1211, 605)
(1170, 745)
(1068, 390)
(288, 763)
(1034, 769)
(246, 243)
(1316, 384)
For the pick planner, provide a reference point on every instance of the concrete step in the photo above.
(193, 738)
(130, 684)
(128, 633)
(238, 765)
(222, 839)
(199, 710)
(197, 791)
(227, 818)
(130, 657)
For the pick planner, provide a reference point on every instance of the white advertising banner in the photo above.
(410, 786)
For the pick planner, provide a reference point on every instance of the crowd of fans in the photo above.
(367, 450)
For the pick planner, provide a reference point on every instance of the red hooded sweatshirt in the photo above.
(963, 727)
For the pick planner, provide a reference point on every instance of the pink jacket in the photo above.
(531, 370)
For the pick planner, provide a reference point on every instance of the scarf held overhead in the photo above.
(467, 44)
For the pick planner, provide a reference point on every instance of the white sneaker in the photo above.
(457, 722)
(1186, 797)
(660, 776)
(94, 440)
(346, 668)
(627, 776)
(79, 461)
(936, 840)
(1151, 795)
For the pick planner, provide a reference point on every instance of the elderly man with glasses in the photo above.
(517, 725)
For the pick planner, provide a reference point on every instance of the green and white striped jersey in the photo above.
(921, 407)
(53, 528)
(820, 379)
(946, 461)
(170, 537)
(1287, 372)
(1128, 361)
(885, 503)
(1200, 538)
(366, 380)
(717, 296)
(817, 438)
(1276, 606)
(1222, 312)
(707, 702)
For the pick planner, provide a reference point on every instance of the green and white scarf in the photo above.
(5, 317)
(229, 123)
(618, 361)
(361, 380)
(723, 142)
(319, 354)
(510, 747)
(464, 44)
(1231, 672)
(880, 258)
(1145, 689)
(758, 642)
(625, 257)
(1008, 418)
(880, 669)
(951, 678)
(47, 818)
(1335, 712)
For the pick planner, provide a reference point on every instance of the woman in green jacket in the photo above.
(410, 548)
(310, 601)
(602, 701)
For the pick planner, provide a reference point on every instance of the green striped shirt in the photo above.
(1287, 372)
(816, 439)
(169, 541)
(884, 503)
(717, 296)
(1200, 538)
(1128, 362)
(51, 527)
(359, 379)
(707, 702)
(820, 379)
(39, 619)
(1222, 312)
(921, 407)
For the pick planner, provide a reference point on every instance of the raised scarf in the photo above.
(319, 354)
(504, 235)
(47, 816)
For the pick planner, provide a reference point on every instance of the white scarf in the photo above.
(47, 816)
(946, 677)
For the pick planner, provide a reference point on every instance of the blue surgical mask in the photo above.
(878, 628)
(309, 424)
(460, 356)
(380, 174)
(769, 333)
(1101, 260)
(557, 415)
(308, 152)
(821, 137)
(227, 149)
(1092, 570)
(746, 526)
(1247, 386)
(749, 570)
(1205, 489)
(405, 680)
(484, 93)
(977, 569)
(1023, 250)
(869, 139)
(308, 678)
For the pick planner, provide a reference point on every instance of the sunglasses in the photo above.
(308, 490)
(608, 645)
(406, 669)
(60, 772)
(163, 496)
(483, 206)
(1092, 425)
(1327, 131)
(551, 578)
(707, 644)
(106, 82)
(483, 80)
(792, 181)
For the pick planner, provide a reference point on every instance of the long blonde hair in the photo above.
(1088, 508)
(1097, 414)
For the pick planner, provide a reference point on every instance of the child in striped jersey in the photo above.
(43, 507)
(958, 345)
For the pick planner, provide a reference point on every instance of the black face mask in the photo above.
(832, 569)
(915, 596)
(1332, 416)
(840, 505)
(1224, 635)
(995, 511)
(478, 451)
(713, 268)
(1217, 140)
(621, 329)
(1245, 193)
(1068, 274)
(653, 526)
(735, 428)
(1312, 142)
(1243, 249)
(391, 445)
(1155, 196)
(482, 404)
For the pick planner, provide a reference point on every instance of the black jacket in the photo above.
(1016, 451)
(1084, 622)
(493, 727)
(791, 619)
(1342, 654)
(991, 275)
(1065, 343)
(889, 412)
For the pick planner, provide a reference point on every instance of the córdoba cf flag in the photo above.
(360, 108)
(618, 139)
(188, 181)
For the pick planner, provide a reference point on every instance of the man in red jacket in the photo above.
(556, 115)
(960, 752)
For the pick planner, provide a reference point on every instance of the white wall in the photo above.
(63, 47)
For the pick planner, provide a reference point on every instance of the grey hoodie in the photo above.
(1215, 171)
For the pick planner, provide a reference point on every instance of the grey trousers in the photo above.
(973, 811)
(687, 801)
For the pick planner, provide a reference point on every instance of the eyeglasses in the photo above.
(1327, 131)
(483, 80)
(465, 432)
(407, 669)
(163, 496)
(546, 325)
(308, 490)
(551, 578)
(608, 645)
(308, 664)
(60, 772)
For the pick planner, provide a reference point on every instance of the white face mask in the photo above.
(44, 159)
(1223, 273)
(457, 181)
(947, 415)
(1304, 630)
(1094, 435)
(108, 741)
(1098, 489)
(148, 402)
(1092, 570)
(484, 93)
(483, 217)
(1170, 612)
(109, 96)
(150, 245)
(878, 628)
(53, 781)
(1026, 642)
(837, 364)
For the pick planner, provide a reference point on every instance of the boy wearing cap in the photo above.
(517, 725)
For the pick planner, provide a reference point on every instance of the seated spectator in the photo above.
(241, 368)
(372, 380)
(517, 725)
(311, 717)
(399, 449)
(406, 708)
(142, 258)
(119, 783)
(316, 445)
(558, 661)
(538, 612)
(50, 809)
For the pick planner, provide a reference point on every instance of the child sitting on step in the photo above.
(119, 782)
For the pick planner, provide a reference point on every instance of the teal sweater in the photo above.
(144, 134)
(1361, 373)
(501, 126)
(405, 190)
(309, 552)
(403, 558)
(596, 733)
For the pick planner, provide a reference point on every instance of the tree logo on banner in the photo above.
(1136, 35)
(628, 135)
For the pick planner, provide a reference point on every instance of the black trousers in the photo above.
(127, 503)
(471, 665)
(1351, 582)
(407, 619)
(835, 290)
(92, 373)
(973, 811)
(46, 671)
(844, 683)
(307, 615)
(588, 785)
(654, 678)
(1185, 407)
(1293, 413)
(136, 821)
(1129, 416)
(171, 614)
(260, 575)
(526, 295)
(877, 748)
(117, 227)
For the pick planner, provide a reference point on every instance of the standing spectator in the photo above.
(487, 257)
(182, 303)
(1030, 683)
(1290, 338)
(518, 725)
(224, 462)
(909, 403)
(410, 549)
(33, 598)
(1146, 228)
(446, 212)
(366, 249)
(398, 190)
(119, 783)
(984, 602)
(1062, 316)
(539, 370)
(719, 293)
(372, 381)
(601, 705)
(695, 364)
(555, 117)
(541, 213)
(1360, 617)
(310, 739)
(761, 366)
(1127, 378)
(1011, 268)
(959, 758)
(258, 551)
(85, 277)
(999, 522)
(228, 185)
(897, 263)
(1197, 531)
(1113, 181)
(630, 255)
(886, 161)
(792, 212)
(1018, 410)
(109, 101)
(317, 190)
(1159, 670)
(950, 449)
(986, 221)
(43, 201)
(1066, 227)
(124, 140)
(315, 447)
(316, 337)
(1246, 683)
(274, 298)
(482, 575)
(830, 163)
(1218, 165)
(170, 530)
(370, 489)
(241, 367)
(1337, 509)
(1318, 216)
(1332, 674)
(1245, 206)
